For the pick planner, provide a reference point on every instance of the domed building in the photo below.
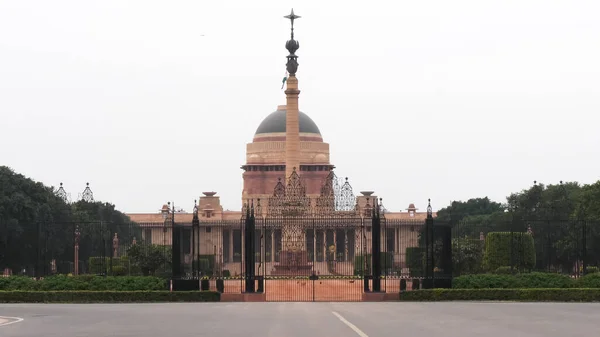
(310, 223)
(266, 156)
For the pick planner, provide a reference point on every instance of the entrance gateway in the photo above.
(331, 247)
(320, 243)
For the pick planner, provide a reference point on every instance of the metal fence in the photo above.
(569, 247)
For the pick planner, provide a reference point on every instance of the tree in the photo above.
(150, 258)
(36, 226)
(467, 256)
(29, 212)
(458, 210)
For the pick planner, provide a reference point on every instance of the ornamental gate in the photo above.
(331, 247)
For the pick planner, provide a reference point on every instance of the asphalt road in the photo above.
(446, 319)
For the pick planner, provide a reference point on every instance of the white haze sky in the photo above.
(446, 100)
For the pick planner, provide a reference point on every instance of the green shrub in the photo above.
(507, 281)
(482, 281)
(504, 271)
(524, 295)
(226, 273)
(120, 266)
(107, 296)
(544, 280)
(589, 281)
(84, 282)
(592, 270)
(415, 261)
(467, 256)
(505, 249)
(387, 262)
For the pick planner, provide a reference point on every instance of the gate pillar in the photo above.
(376, 246)
(249, 250)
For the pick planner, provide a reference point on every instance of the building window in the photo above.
(208, 229)
(148, 235)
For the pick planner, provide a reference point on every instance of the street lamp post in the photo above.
(76, 253)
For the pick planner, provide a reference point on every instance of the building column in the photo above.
(397, 239)
(325, 245)
(230, 253)
(314, 245)
(272, 245)
(335, 244)
(345, 245)
(243, 235)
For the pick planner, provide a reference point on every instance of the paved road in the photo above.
(447, 319)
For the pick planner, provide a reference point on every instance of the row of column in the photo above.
(315, 248)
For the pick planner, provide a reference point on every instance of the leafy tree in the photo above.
(458, 210)
(467, 256)
(150, 258)
(36, 226)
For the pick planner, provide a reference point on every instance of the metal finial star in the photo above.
(292, 16)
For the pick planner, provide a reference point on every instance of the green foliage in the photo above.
(415, 261)
(506, 270)
(499, 246)
(589, 205)
(226, 273)
(120, 266)
(544, 280)
(150, 258)
(387, 262)
(524, 295)
(472, 207)
(525, 280)
(592, 270)
(467, 256)
(107, 296)
(32, 215)
(589, 281)
(83, 282)
(482, 281)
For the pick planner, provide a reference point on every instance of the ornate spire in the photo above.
(429, 209)
(87, 195)
(61, 193)
(292, 45)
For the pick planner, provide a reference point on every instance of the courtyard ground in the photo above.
(303, 319)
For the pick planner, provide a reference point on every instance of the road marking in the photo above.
(352, 326)
(13, 320)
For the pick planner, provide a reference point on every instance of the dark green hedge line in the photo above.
(84, 282)
(107, 296)
(522, 295)
(525, 280)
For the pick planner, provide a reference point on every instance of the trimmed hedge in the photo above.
(525, 280)
(500, 246)
(589, 281)
(120, 266)
(84, 282)
(522, 295)
(107, 296)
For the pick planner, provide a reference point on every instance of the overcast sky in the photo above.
(154, 101)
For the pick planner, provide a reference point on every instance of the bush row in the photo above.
(84, 282)
(524, 295)
(525, 280)
(107, 296)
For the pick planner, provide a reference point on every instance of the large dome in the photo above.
(275, 123)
